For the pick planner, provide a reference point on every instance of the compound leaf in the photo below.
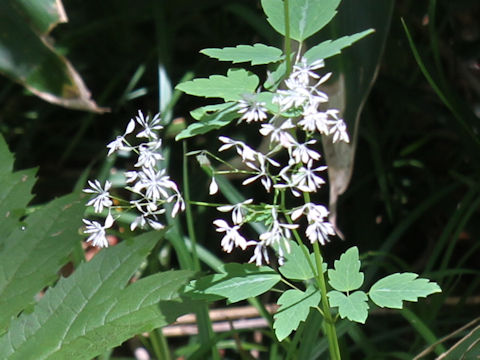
(296, 266)
(229, 88)
(306, 16)
(347, 275)
(294, 307)
(257, 54)
(392, 290)
(235, 282)
(353, 306)
(330, 48)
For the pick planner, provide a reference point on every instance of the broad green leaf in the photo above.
(257, 54)
(200, 112)
(306, 16)
(15, 194)
(92, 311)
(392, 290)
(28, 57)
(33, 253)
(347, 275)
(354, 306)
(294, 307)
(230, 88)
(235, 282)
(209, 122)
(296, 266)
(330, 48)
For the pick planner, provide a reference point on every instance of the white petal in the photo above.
(213, 188)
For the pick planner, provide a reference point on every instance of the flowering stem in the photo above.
(188, 210)
(327, 315)
(204, 323)
(288, 49)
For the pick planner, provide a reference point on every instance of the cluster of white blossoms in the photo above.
(292, 130)
(148, 183)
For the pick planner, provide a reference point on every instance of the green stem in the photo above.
(204, 322)
(188, 209)
(159, 344)
(288, 46)
(327, 315)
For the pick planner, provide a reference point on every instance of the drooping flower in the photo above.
(97, 231)
(238, 210)
(232, 237)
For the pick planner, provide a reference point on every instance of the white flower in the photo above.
(232, 237)
(149, 125)
(97, 231)
(301, 153)
(116, 144)
(238, 210)
(252, 110)
(279, 134)
(319, 231)
(296, 95)
(179, 204)
(306, 180)
(261, 171)
(155, 184)
(339, 130)
(277, 232)
(313, 211)
(245, 151)
(103, 197)
(303, 72)
(149, 154)
(260, 253)
(213, 188)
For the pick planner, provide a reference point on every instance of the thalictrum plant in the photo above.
(291, 113)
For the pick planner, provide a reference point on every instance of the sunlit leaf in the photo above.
(353, 306)
(306, 16)
(229, 88)
(93, 310)
(392, 290)
(294, 308)
(257, 54)
(235, 282)
(347, 275)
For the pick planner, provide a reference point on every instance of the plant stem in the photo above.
(327, 315)
(288, 46)
(188, 209)
(159, 344)
(204, 323)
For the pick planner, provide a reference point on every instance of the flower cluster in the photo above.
(292, 129)
(148, 183)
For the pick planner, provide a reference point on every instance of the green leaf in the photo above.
(28, 57)
(393, 289)
(230, 88)
(92, 311)
(330, 48)
(353, 306)
(235, 282)
(15, 194)
(296, 266)
(306, 16)
(347, 275)
(200, 112)
(294, 307)
(257, 54)
(34, 252)
(209, 122)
